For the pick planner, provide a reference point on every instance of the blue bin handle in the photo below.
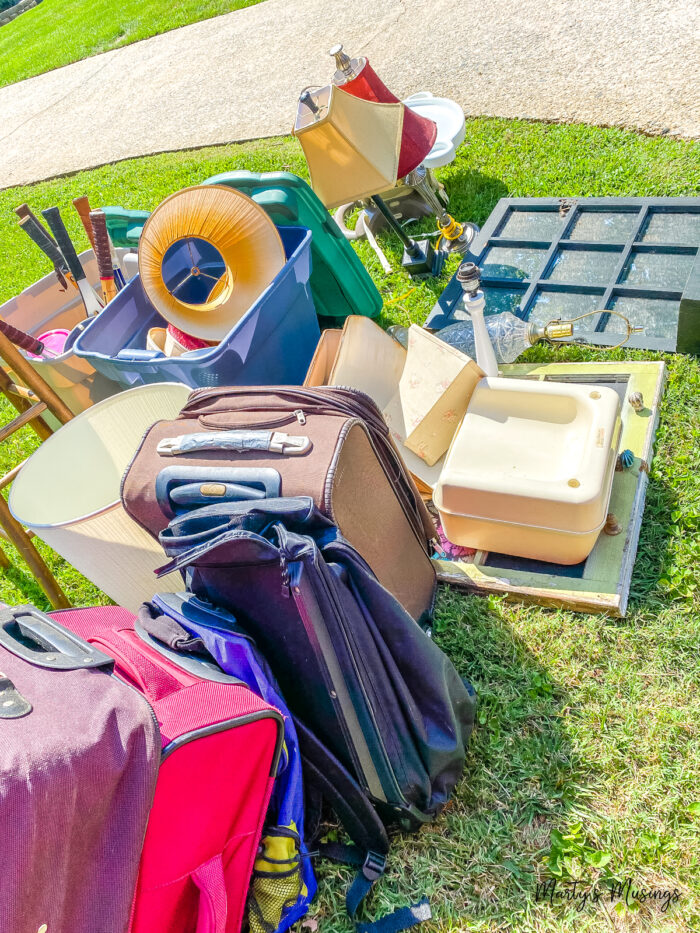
(140, 356)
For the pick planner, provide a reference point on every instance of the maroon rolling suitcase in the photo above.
(133, 781)
(221, 746)
(79, 755)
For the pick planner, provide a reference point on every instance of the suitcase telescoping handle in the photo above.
(187, 486)
(33, 636)
(240, 441)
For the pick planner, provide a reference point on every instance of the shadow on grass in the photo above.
(18, 586)
(660, 554)
(473, 195)
(522, 778)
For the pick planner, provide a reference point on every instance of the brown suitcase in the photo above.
(351, 470)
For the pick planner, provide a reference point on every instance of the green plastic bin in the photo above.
(340, 284)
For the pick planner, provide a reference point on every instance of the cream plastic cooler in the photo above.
(530, 470)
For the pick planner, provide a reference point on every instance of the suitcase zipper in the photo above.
(364, 682)
(145, 700)
(356, 742)
(203, 731)
(286, 418)
(357, 745)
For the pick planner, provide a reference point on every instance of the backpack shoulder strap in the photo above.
(325, 777)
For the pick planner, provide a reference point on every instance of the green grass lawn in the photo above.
(58, 32)
(587, 754)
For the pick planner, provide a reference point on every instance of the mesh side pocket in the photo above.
(277, 883)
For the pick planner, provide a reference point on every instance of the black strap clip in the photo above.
(374, 865)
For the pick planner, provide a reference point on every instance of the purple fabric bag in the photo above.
(79, 757)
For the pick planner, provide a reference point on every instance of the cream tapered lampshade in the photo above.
(352, 146)
(205, 255)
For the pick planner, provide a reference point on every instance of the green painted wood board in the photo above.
(605, 582)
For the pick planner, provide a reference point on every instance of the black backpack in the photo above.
(382, 715)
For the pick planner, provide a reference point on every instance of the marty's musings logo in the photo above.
(559, 893)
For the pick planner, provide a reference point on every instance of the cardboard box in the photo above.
(432, 397)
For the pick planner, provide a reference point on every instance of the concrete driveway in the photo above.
(629, 63)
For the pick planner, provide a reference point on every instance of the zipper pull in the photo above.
(301, 417)
(285, 576)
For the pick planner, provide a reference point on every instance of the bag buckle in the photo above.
(374, 865)
(289, 444)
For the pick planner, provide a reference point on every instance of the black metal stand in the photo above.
(419, 257)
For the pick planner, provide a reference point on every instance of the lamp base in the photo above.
(424, 260)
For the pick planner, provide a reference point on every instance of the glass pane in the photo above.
(665, 227)
(512, 262)
(584, 266)
(532, 225)
(658, 270)
(501, 299)
(548, 306)
(604, 226)
(658, 316)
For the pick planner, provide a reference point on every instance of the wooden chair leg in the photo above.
(41, 428)
(4, 559)
(31, 378)
(18, 536)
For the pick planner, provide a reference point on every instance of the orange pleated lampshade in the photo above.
(206, 253)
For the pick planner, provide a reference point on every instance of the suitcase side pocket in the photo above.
(212, 913)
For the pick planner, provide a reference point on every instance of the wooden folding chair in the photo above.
(30, 400)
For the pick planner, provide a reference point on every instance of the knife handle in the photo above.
(36, 232)
(53, 218)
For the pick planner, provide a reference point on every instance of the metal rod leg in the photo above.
(411, 248)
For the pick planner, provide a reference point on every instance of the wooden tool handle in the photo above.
(36, 232)
(21, 338)
(24, 210)
(53, 218)
(82, 206)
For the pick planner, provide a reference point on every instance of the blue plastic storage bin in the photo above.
(272, 344)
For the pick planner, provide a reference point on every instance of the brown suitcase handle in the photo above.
(324, 400)
(290, 445)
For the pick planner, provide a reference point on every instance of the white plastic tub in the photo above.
(530, 470)
(68, 494)
(45, 306)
